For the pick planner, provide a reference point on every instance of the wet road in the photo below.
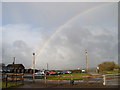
(110, 79)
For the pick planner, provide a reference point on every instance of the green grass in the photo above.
(68, 78)
(9, 84)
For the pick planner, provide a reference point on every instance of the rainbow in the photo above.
(39, 52)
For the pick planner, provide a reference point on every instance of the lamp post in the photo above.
(86, 60)
(33, 62)
(33, 66)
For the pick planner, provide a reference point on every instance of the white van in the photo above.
(40, 73)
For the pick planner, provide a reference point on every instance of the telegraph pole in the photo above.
(33, 66)
(86, 60)
(33, 62)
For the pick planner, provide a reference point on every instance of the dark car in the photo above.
(66, 72)
(59, 72)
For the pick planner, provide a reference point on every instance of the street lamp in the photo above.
(86, 60)
(33, 62)
(33, 66)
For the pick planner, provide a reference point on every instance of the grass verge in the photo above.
(9, 84)
(68, 76)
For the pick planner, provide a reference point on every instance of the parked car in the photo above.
(59, 72)
(51, 73)
(40, 73)
(66, 72)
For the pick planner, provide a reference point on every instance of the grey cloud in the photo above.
(18, 49)
(68, 46)
(66, 49)
(42, 14)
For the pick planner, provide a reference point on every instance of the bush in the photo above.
(76, 71)
(107, 66)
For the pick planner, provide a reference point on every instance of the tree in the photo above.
(107, 66)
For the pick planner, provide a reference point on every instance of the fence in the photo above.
(111, 79)
(21, 77)
(12, 78)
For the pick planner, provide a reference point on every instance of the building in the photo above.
(15, 66)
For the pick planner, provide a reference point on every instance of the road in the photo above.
(110, 79)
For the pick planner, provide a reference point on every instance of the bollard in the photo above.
(104, 80)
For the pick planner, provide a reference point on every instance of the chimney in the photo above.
(13, 60)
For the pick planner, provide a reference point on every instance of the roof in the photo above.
(14, 65)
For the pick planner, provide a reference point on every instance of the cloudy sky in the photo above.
(59, 33)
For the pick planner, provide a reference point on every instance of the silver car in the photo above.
(40, 73)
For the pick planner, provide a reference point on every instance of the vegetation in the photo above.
(115, 71)
(9, 84)
(68, 76)
(76, 71)
(108, 66)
